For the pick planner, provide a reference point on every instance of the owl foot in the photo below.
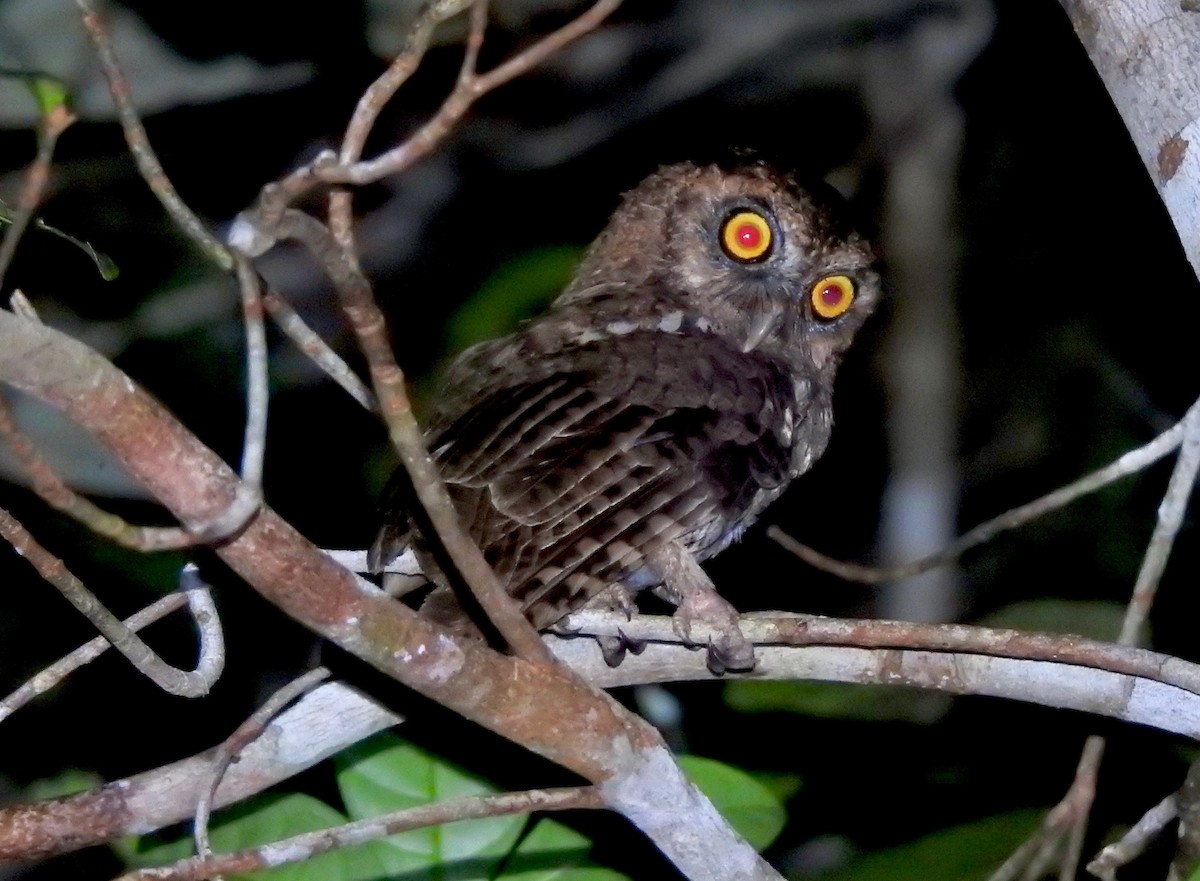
(687, 585)
(728, 649)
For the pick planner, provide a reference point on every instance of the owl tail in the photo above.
(396, 537)
(390, 543)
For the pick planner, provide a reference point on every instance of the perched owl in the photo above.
(670, 394)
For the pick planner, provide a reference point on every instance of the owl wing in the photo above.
(568, 469)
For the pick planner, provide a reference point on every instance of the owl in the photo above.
(673, 390)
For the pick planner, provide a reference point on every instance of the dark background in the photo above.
(1071, 343)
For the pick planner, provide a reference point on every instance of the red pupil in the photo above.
(831, 295)
(749, 236)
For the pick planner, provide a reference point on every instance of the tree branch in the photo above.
(1130, 463)
(85, 654)
(185, 683)
(539, 706)
(1147, 52)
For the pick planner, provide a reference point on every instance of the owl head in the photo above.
(746, 251)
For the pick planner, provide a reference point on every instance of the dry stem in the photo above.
(247, 733)
(86, 653)
(1131, 462)
(195, 683)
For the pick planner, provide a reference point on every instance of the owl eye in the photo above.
(746, 236)
(832, 296)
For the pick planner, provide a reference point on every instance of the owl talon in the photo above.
(614, 648)
(735, 656)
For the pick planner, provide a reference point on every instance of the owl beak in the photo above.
(762, 325)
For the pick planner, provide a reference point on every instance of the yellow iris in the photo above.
(832, 296)
(746, 236)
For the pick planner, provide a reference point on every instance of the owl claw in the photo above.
(614, 648)
(730, 655)
(727, 649)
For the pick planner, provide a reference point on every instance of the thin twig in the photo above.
(248, 500)
(139, 145)
(465, 93)
(54, 492)
(1187, 848)
(1066, 824)
(254, 446)
(379, 93)
(1060, 835)
(50, 127)
(195, 683)
(247, 733)
(21, 305)
(1133, 843)
(255, 238)
(85, 654)
(271, 220)
(1130, 463)
(1170, 518)
(320, 352)
(308, 845)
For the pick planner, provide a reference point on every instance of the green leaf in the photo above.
(554, 852)
(519, 289)
(1095, 619)
(960, 853)
(272, 819)
(64, 783)
(50, 94)
(837, 700)
(386, 774)
(781, 785)
(750, 807)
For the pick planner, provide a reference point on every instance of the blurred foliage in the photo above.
(516, 291)
(70, 781)
(750, 807)
(1095, 619)
(48, 92)
(961, 853)
(837, 700)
